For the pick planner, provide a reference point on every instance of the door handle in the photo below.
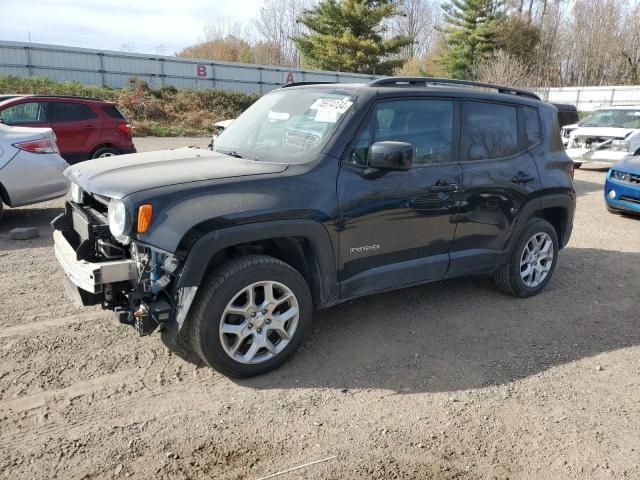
(89, 126)
(522, 177)
(447, 187)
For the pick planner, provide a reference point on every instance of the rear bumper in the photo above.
(88, 276)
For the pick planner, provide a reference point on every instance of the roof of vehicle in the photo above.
(16, 97)
(420, 85)
(565, 107)
(620, 107)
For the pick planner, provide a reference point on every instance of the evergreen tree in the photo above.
(471, 33)
(349, 36)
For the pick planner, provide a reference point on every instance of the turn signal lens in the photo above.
(145, 213)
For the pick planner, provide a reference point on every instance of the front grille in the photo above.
(626, 198)
(626, 177)
(591, 142)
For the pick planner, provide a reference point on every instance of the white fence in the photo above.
(587, 99)
(104, 67)
(114, 69)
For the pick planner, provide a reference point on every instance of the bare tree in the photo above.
(418, 21)
(504, 69)
(277, 23)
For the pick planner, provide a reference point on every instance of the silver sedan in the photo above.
(30, 166)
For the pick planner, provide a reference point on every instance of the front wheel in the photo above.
(577, 165)
(252, 314)
(532, 261)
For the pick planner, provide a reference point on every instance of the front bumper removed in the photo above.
(88, 276)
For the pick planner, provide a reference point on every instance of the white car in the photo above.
(31, 169)
(608, 135)
(218, 128)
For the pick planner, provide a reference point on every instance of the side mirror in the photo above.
(390, 155)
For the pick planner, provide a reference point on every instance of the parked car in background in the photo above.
(315, 195)
(31, 170)
(608, 135)
(567, 114)
(622, 187)
(85, 127)
(218, 128)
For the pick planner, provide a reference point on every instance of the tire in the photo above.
(577, 165)
(105, 152)
(509, 277)
(223, 306)
(1, 209)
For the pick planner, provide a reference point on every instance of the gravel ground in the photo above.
(452, 380)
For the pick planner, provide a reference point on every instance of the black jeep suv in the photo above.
(315, 195)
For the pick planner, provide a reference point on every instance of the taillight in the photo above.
(572, 169)
(125, 128)
(45, 145)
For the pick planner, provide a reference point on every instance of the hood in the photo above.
(602, 132)
(630, 165)
(122, 175)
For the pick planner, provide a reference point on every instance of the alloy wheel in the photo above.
(536, 260)
(259, 322)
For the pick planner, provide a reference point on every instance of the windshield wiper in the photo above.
(233, 153)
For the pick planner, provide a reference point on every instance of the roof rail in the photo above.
(51, 95)
(297, 84)
(399, 81)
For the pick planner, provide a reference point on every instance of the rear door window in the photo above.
(29, 112)
(489, 130)
(71, 112)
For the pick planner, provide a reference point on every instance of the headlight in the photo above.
(118, 220)
(620, 145)
(76, 193)
(623, 176)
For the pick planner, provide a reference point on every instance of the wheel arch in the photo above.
(4, 195)
(303, 244)
(103, 145)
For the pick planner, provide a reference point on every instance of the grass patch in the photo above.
(163, 111)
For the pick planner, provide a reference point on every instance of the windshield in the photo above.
(613, 118)
(286, 126)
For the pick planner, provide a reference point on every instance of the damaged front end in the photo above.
(135, 280)
(598, 149)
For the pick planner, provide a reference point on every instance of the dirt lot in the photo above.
(449, 380)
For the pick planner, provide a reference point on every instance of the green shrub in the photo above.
(164, 111)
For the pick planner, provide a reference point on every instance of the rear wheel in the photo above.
(252, 315)
(1, 209)
(532, 261)
(105, 152)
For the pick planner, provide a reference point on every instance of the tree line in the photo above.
(535, 43)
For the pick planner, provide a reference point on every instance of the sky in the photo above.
(146, 26)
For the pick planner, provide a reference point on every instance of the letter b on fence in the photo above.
(201, 70)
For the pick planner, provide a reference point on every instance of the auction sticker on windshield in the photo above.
(330, 109)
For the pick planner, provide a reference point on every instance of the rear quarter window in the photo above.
(532, 126)
(113, 112)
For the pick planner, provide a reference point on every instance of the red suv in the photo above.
(85, 127)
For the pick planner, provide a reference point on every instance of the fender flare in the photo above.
(565, 201)
(323, 263)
